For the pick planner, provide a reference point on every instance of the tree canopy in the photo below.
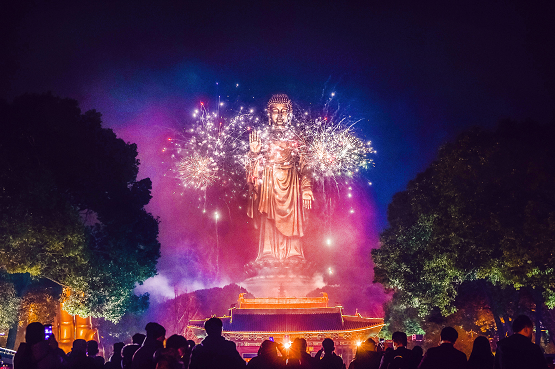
(71, 207)
(483, 211)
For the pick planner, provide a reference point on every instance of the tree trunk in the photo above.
(548, 316)
(538, 301)
(501, 331)
(12, 334)
(21, 283)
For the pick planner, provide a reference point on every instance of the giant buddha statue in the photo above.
(280, 192)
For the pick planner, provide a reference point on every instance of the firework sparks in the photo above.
(332, 149)
(197, 171)
(210, 152)
(327, 148)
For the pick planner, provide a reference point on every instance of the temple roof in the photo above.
(292, 320)
(283, 302)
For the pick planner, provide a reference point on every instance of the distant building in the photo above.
(284, 319)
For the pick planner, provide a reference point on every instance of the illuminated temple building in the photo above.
(287, 318)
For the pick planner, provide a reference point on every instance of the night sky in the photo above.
(416, 72)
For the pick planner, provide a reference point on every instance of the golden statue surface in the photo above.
(280, 191)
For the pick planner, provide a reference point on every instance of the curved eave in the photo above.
(360, 317)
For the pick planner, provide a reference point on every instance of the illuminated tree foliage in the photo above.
(71, 208)
(9, 305)
(483, 211)
(474, 315)
(38, 305)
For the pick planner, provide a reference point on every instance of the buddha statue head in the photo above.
(280, 110)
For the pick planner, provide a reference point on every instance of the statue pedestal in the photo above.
(274, 278)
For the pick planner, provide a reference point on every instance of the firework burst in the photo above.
(197, 171)
(211, 151)
(333, 150)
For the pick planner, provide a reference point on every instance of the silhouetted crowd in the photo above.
(215, 352)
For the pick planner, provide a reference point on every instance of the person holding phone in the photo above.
(35, 352)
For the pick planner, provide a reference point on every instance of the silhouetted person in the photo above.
(129, 350)
(58, 352)
(330, 359)
(518, 351)
(186, 357)
(166, 358)
(35, 352)
(417, 354)
(138, 339)
(177, 343)
(267, 357)
(115, 359)
(298, 357)
(445, 355)
(215, 351)
(92, 352)
(401, 356)
(481, 356)
(177, 347)
(367, 356)
(77, 357)
(127, 353)
(144, 357)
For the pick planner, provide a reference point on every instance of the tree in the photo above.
(71, 207)
(174, 314)
(9, 305)
(483, 211)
